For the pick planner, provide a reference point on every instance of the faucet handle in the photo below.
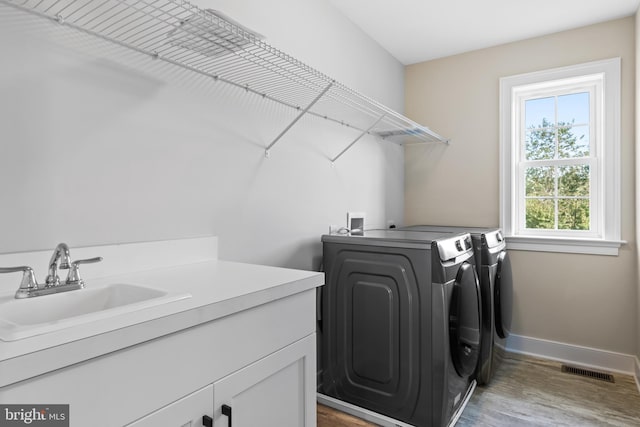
(28, 282)
(74, 272)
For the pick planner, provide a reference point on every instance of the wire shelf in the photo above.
(208, 43)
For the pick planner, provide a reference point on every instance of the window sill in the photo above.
(565, 245)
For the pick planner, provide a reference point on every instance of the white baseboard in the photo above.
(574, 354)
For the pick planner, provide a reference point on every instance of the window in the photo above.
(560, 159)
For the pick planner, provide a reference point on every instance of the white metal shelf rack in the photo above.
(205, 42)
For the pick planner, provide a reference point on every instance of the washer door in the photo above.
(503, 295)
(465, 321)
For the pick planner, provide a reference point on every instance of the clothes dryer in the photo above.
(496, 283)
(400, 324)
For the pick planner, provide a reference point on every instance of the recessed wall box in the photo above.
(355, 222)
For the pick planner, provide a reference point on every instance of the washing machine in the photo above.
(400, 326)
(496, 283)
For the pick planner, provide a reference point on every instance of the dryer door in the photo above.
(465, 321)
(503, 295)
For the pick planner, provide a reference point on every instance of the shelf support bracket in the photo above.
(364, 132)
(302, 113)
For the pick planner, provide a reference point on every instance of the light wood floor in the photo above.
(532, 392)
(329, 417)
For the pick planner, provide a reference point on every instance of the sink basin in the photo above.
(22, 318)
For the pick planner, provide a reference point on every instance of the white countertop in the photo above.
(217, 288)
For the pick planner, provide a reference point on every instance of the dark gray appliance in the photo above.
(400, 324)
(496, 283)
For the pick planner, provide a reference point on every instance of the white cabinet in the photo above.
(186, 412)
(259, 361)
(276, 391)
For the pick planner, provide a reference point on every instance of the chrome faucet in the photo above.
(60, 259)
(61, 255)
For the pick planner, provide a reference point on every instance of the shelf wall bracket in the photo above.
(302, 113)
(357, 139)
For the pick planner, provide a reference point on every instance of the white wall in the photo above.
(102, 145)
(584, 300)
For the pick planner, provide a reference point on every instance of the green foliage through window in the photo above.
(557, 196)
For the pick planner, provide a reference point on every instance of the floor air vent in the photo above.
(602, 376)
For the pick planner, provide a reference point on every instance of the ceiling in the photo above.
(420, 30)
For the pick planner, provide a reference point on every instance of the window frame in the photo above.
(604, 236)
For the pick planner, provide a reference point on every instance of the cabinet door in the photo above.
(186, 412)
(276, 391)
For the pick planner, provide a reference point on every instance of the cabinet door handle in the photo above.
(207, 421)
(226, 410)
